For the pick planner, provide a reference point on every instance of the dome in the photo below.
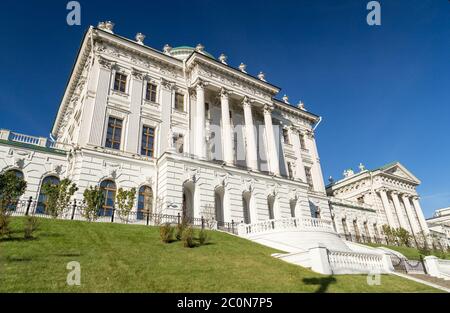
(183, 52)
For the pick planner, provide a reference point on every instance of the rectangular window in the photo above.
(114, 133)
(148, 141)
(179, 102)
(286, 136)
(302, 141)
(309, 179)
(120, 82)
(150, 92)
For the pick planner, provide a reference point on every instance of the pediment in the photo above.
(400, 171)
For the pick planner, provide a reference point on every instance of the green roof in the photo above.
(385, 166)
(33, 147)
(192, 49)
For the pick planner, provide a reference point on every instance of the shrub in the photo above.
(11, 188)
(93, 199)
(125, 201)
(31, 225)
(4, 224)
(203, 237)
(58, 196)
(188, 237)
(166, 232)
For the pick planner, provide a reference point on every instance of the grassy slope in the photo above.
(118, 258)
(409, 253)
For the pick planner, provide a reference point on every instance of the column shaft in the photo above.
(387, 209)
(200, 143)
(252, 160)
(299, 166)
(272, 150)
(422, 221)
(411, 216)
(398, 209)
(226, 128)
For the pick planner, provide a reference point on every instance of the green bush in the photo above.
(31, 225)
(203, 237)
(166, 232)
(188, 237)
(4, 224)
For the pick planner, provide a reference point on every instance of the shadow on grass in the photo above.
(17, 239)
(323, 283)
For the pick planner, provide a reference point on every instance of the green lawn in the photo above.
(129, 258)
(410, 253)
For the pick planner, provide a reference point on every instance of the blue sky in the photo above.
(383, 91)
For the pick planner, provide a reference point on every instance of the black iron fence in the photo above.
(362, 238)
(76, 210)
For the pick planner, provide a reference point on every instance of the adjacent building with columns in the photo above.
(439, 225)
(190, 132)
(386, 195)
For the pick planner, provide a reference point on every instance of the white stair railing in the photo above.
(300, 223)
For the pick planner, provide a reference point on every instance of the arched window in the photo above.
(42, 200)
(108, 187)
(18, 173)
(145, 202)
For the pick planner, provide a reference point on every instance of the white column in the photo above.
(398, 209)
(316, 170)
(411, 216)
(200, 143)
(226, 128)
(299, 166)
(252, 160)
(133, 133)
(387, 208)
(166, 101)
(422, 221)
(272, 150)
(97, 119)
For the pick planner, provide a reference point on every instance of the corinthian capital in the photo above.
(105, 63)
(268, 109)
(201, 83)
(137, 74)
(224, 92)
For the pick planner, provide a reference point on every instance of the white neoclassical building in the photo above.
(439, 225)
(184, 128)
(198, 138)
(383, 196)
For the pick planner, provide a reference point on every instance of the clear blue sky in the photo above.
(384, 92)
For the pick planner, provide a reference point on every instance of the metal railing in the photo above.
(77, 211)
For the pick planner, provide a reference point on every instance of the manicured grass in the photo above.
(129, 258)
(410, 253)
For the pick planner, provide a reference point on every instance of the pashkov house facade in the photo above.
(198, 137)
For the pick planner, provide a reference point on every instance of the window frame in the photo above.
(181, 94)
(113, 133)
(153, 148)
(148, 93)
(125, 83)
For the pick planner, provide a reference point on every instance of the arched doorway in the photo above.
(270, 205)
(246, 198)
(42, 199)
(145, 202)
(219, 206)
(188, 202)
(108, 187)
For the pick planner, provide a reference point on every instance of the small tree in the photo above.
(31, 225)
(125, 202)
(403, 236)
(93, 200)
(389, 232)
(58, 196)
(11, 188)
